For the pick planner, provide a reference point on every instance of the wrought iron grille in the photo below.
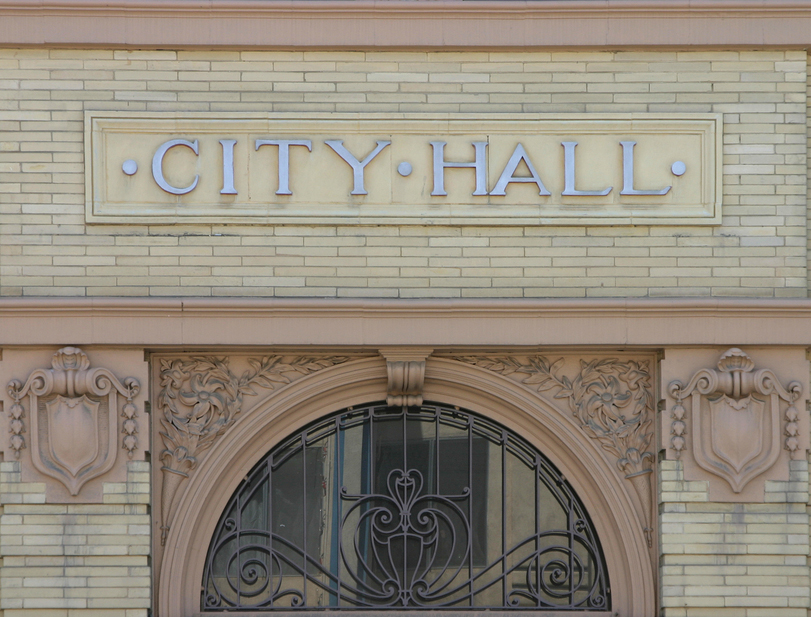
(394, 507)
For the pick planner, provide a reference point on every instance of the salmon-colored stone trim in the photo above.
(435, 323)
(613, 508)
(458, 24)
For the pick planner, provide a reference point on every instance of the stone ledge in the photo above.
(450, 24)
(438, 323)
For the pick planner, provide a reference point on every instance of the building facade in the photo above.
(562, 247)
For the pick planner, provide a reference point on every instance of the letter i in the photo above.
(228, 167)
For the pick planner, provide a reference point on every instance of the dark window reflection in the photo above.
(384, 507)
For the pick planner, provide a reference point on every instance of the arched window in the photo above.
(393, 507)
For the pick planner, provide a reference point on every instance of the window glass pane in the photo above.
(385, 507)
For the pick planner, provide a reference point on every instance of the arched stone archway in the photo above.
(610, 501)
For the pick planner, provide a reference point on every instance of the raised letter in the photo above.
(356, 165)
(284, 159)
(157, 166)
(480, 165)
(568, 172)
(507, 175)
(228, 167)
(628, 172)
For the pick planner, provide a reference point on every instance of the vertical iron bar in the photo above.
(304, 478)
(504, 517)
(404, 573)
(370, 483)
(437, 490)
(405, 441)
(470, 506)
(239, 546)
(367, 479)
(338, 480)
(571, 553)
(370, 449)
(537, 529)
(270, 526)
(436, 455)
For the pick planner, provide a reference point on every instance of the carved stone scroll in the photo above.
(201, 397)
(612, 401)
(73, 413)
(735, 425)
(405, 368)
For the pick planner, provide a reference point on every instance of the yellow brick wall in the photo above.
(733, 560)
(69, 560)
(46, 248)
(63, 560)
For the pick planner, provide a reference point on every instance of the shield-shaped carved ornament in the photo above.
(74, 437)
(736, 418)
(73, 433)
(738, 430)
(736, 438)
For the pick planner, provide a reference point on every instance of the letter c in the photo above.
(157, 166)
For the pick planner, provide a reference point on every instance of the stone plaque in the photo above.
(372, 169)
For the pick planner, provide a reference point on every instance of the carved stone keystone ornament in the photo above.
(405, 368)
(73, 412)
(735, 422)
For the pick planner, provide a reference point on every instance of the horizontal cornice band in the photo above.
(459, 24)
(438, 323)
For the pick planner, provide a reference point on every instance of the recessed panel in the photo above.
(484, 169)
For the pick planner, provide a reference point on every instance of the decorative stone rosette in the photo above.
(735, 426)
(73, 413)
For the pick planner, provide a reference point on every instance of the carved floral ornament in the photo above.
(200, 398)
(73, 411)
(611, 400)
(735, 422)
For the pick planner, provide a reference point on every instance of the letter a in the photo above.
(508, 176)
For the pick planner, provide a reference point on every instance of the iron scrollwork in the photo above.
(394, 519)
(407, 533)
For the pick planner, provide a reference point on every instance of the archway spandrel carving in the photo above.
(200, 397)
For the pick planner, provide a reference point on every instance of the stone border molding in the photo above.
(405, 367)
(447, 24)
(158, 322)
(610, 501)
(73, 412)
(736, 428)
